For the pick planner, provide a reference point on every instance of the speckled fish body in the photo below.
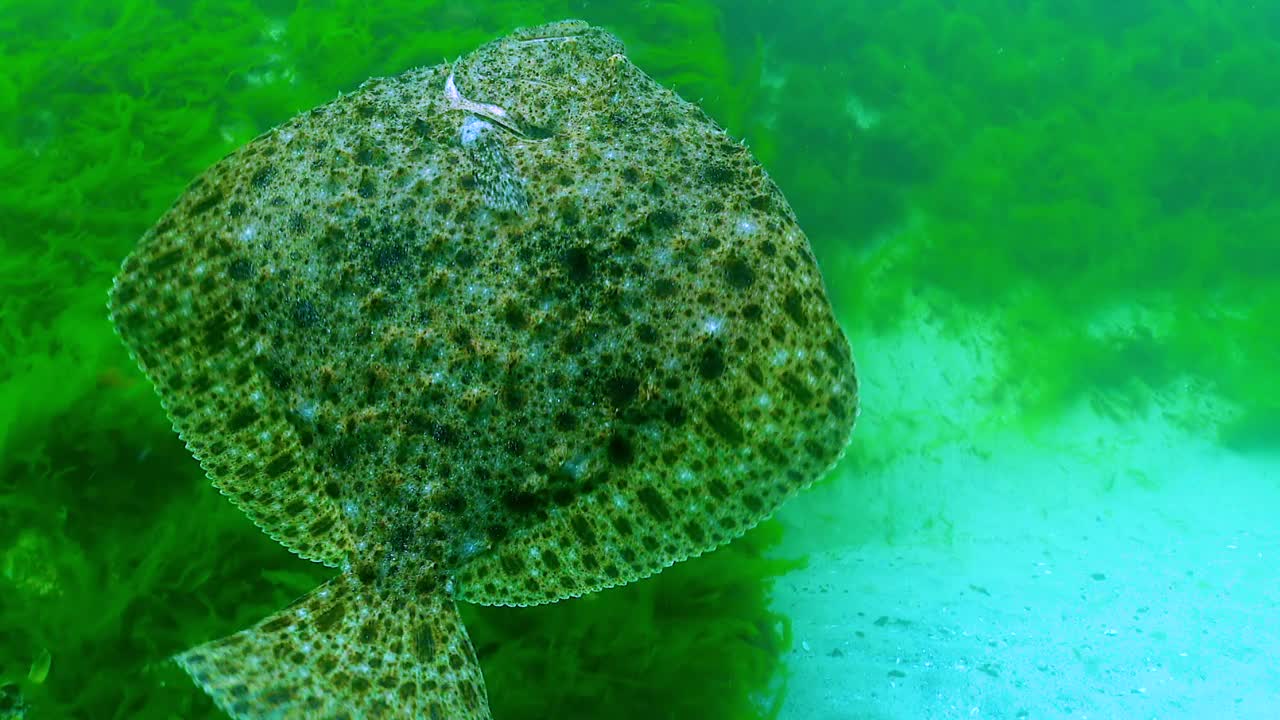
(503, 331)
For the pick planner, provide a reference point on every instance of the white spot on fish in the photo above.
(473, 130)
(471, 548)
(307, 410)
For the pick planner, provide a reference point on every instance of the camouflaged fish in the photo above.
(504, 331)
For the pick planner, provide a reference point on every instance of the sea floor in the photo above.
(1106, 568)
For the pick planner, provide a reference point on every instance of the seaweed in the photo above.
(1045, 165)
(682, 645)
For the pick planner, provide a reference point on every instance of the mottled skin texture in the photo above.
(505, 331)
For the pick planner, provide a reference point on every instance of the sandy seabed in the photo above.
(1106, 568)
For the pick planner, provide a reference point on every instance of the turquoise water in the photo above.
(1048, 229)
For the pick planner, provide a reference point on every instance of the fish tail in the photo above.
(346, 652)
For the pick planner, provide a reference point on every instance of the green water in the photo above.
(1050, 229)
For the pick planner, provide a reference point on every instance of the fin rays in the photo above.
(346, 652)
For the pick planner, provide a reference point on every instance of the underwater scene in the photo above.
(468, 360)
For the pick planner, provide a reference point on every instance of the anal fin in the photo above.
(346, 652)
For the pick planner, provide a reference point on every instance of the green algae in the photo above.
(1066, 160)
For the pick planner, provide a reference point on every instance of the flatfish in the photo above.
(506, 331)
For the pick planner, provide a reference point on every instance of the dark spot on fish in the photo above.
(664, 288)
(711, 364)
(739, 274)
(279, 466)
(653, 503)
(207, 203)
(577, 263)
(330, 616)
(165, 260)
(262, 177)
(442, 433)
(276, 624)
(620, 450)
(718, 174)
(305, 314)
(621, 390)
(521, 502)
(240, 269)
(794, 307)
(242, 418)
(725, 425)
(660, 221)
(582, 528)
(795, 387)
(695, 532)
(453, 502)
